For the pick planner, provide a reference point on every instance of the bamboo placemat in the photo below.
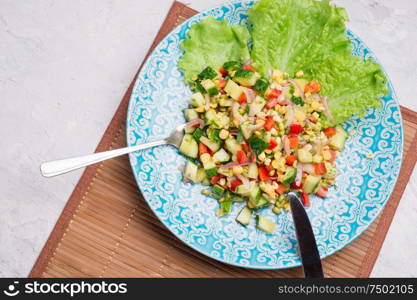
(107, 229)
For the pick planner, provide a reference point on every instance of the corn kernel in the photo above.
(268, 151)
(260, 121)
(213, 105)
(236, 122)
(275, 163)
(205, 192)
(258, 133)
(369, 155)
(222, 181)
(277, 75)
(200, 109)
(287, 206)
(299, 74)
(315, 105)
(205, 158)
(299, 116)
(194, 78)
(276, 210)
(267, 161)
(261, 156)
(326, 155)
(271, 173)
(223, 134)
(237, 170)
(277, 155)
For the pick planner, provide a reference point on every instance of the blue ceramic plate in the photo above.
(363, 186)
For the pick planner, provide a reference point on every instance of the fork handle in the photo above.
(58, 167)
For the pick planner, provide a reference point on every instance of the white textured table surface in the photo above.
(64, 66)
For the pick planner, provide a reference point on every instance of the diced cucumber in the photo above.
(225, 102)
(246, 77)
(233, 197)
(218, 190)
(201, 175)
(256, 106)
(190, 171)
(317, 158)
(337, 142)
(254, 196)
(244, 129)
(253, 171)
(304, 156)
(311, 183)
(222, 156)
(225, 207)
(189, 146)
(213, 134)
(243, 190)
(197, 100)
(207, 73)
(231, 65)
(189, 129)
(289, 175)
(233, 89)
(210, 87)
(197, 134)
(264, 224)
(232, 145)
(190, 114)
(331, 171)
(244, 216)
(211, 117)
(225, 171)
(262, 202)
(211, 172)
(209, 143)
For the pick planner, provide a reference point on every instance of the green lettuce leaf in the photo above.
(310, 35)
(350, 84)
(212, 43)
(291, 35)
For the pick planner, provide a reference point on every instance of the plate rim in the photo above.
(202, 14)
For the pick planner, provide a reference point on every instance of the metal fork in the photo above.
(58, 167)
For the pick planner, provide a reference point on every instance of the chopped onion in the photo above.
(326, 108)
(250, 94)
(207, 98)
(290, 114)
(299, 175)
(308, 147)
(248, 62)
(299, 89)
(287, 148)
(309, 168)
(235, 164)
(255, 127)
(194, 123)
(236, 114)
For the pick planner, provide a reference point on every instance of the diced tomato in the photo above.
(241, 156)
(223, 72)
(249, 68)
(269, 167)
(322, 191)
(242, 98)
(330, 131)
(281, 189)
(271, 103)
(293, 139)
(234, 184)
(221, 84)
(245, 147)
(274, 94)
(216, 178)
(204, 149)
(269, 123)
(263, 173)
(312, 87)
(333, 155)
(305, 199)
(295, 186)
(320, 168)
(296, 129)
(272, 144)
(291, 160)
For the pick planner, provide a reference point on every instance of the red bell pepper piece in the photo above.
(330, 131)
(305, 199)
(293, 139)
(320, 168)
(241, 156)
(269, 123)
(242, 98)
(290, 160)
(274, 94)
(234, 184)
(249, 68)
(272, 144)
(202, 149)
(223, 72)
(281, 189)
(322, 191)
(296, 129)
(263, 173)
